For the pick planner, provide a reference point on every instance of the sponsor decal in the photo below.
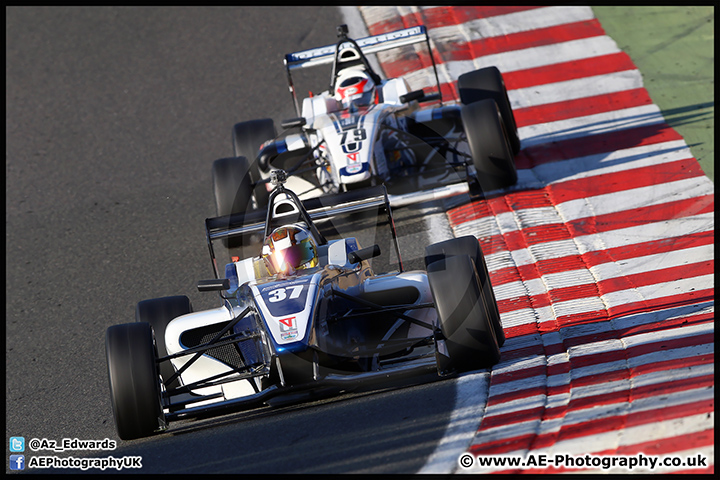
(363, 42)
(286, 283)
(287, 324)
(288, 328)
(353, 164)
(362, 167)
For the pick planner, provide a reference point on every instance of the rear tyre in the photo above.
(134, 380)
(467, 340)
(159, 312)
(248, 137)
(232, 185)
(468, 245)
(489, 147)
(488, 83)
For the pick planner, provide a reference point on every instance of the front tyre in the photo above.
(134, 380)
(491, 154)
(467, 339)
(468, 245)
(488, 83)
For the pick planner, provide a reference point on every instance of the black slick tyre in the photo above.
(491, 154)
(159, 312)
(468, 245)
(248, 137)
(488, 83)
(134, 380)
(232, 185)
(467, 340)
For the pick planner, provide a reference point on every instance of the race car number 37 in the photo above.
(285, 298)
(281, 294)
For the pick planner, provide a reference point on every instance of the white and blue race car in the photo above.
(304, 313)
(367, 131)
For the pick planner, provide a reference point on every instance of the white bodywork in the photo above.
(268, 294)
(205, 366)
(348, 139)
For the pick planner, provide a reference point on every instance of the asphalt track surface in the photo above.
(114, 116)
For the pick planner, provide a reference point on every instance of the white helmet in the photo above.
(354, 87)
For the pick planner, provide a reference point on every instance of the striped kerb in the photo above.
(601, 257)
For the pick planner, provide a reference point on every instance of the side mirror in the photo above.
(410, 96)
(430, 98)
(293, 122)
(213, 285)
(420, 96)
(364, 254)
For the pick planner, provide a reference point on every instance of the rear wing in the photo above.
(324, 207)
(368, 45)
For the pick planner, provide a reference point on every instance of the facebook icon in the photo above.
(17, 462)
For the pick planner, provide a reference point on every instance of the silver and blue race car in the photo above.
(366, 130)
(308, 310)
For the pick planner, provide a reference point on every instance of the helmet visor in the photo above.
(298, 255)
(301, 255)
(362, 100)
(355, 91)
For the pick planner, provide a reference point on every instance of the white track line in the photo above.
(470, 400)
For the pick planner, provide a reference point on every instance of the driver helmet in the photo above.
(288, 249)
(354, 87)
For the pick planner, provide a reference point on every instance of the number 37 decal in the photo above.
(280, 294)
